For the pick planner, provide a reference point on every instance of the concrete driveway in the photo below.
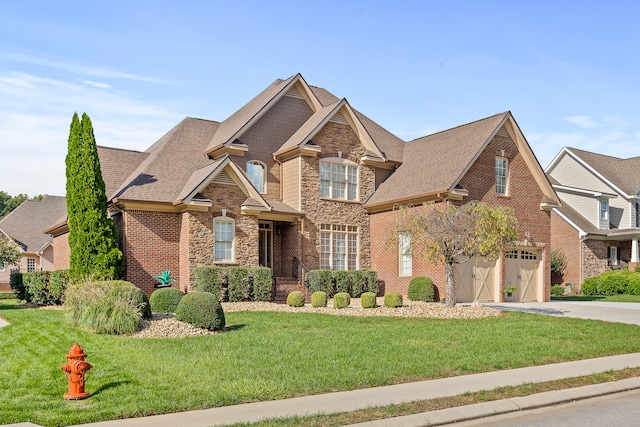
(621, 312)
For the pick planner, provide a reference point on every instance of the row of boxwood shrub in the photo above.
(40, 287)
(613, 282)
(235, 283)
(343, 299)
(353, 282)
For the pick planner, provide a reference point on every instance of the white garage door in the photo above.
(476, 281)
(522, 270)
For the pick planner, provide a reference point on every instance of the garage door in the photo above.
(476, 281)
(522, 269)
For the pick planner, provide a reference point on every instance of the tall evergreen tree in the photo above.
(93, 238)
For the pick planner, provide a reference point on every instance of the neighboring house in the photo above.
(598, 225)
(25, 225)
(297, 179)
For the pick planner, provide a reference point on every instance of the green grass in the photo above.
(613, 298)
(270, 355)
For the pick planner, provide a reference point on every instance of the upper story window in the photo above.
(338, 179)
(405, 260)
(502, 174)
(604, 210)
(224, 236)
(256, 171)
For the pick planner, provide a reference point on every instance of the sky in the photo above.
(567, 70)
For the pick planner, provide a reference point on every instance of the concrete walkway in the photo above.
(402, 393)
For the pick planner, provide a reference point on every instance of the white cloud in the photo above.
(95, 84)
(586, 122)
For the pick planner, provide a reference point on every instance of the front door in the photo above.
(265, 244)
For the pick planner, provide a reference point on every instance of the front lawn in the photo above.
(271, 355)
(611, 298)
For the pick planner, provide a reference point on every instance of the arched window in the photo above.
(338, 179)
(256, 171)
(223, 239)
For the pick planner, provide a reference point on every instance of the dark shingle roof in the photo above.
(26, 223)
(436, 162)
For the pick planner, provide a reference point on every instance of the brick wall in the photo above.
(567, 239)
(524, 197)
(151, 246)
(61, 252)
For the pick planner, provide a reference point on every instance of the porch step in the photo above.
(284, 285)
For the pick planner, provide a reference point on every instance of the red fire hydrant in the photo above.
(75, 370)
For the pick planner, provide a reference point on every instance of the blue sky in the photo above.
(568, 71)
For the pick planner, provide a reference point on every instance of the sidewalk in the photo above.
(379, 396)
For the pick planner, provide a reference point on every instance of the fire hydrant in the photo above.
(75, 370)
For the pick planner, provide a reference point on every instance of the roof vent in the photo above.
(224, 178)
(339, 118)
(294, 93)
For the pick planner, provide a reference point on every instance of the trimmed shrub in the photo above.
(211, 279)
(557, 290)
(165, 300)
(341, 300)
(295, 299)
(58, 283)
(609, 283)
(202, 310)
(321, 280)
(393, 299)
(341, 280)
(262, 283)
(134, 293)
(319, 299)
(35, 284)
(368, 300)
(239, 289)
(590, 286)
(17, 286)
(633, 286)
(421, 289)
(357, 282)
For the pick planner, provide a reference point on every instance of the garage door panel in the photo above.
(476, 281)
(521, 270)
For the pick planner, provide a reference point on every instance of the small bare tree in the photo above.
(450, 234)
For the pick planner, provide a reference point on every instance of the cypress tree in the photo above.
(93, 238)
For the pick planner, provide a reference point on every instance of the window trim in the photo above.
(34, 264)
(264, 175)
(614, 261)
(405, 256)
(338, 161)
(332, 230)
(225, 219)
(505, 176)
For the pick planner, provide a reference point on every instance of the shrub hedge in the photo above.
(165, 300)
(17, 286)
(341, 300)
(295, 299)
(201, 309)
(421, 289)
(40, 287)
(319, 299)
(393, 299)
(557, 290)
(354, 282)
(235, 283)
(613, 282)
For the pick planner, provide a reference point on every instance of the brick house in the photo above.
(24, 226)
(297, 179)
(597, 226)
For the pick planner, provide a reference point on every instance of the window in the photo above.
(404, 251)
(31, 264)
(528, 255)
(604, 209)
(256, 173)
(511, 254)
(339, 179)
(502, 172)
(338, 247)
(613, 255)
(224, 231)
